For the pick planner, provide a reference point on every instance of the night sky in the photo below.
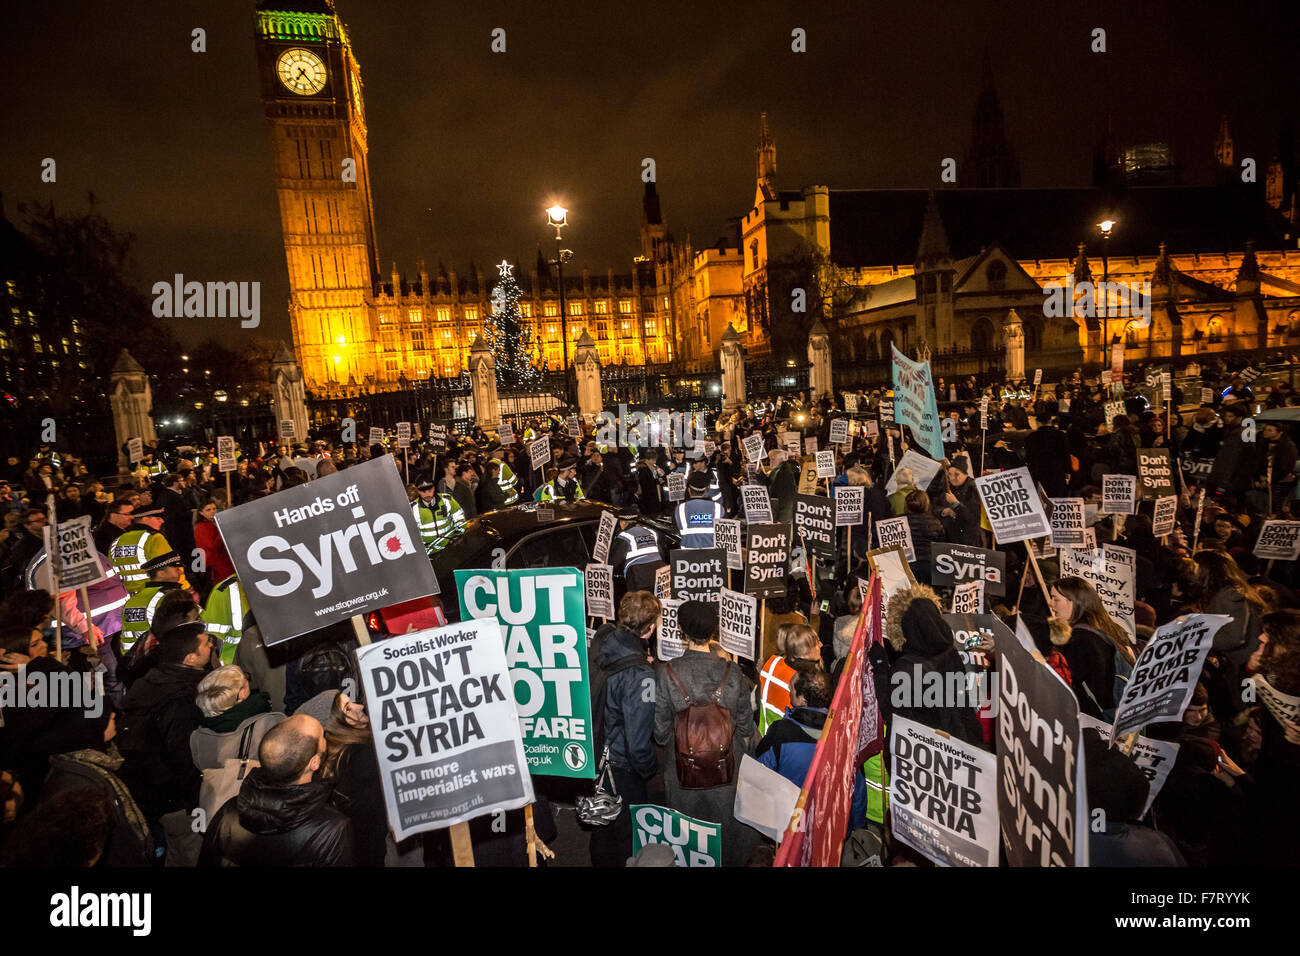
(467, 147)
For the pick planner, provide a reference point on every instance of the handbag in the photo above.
(603, 807)
(222, 783)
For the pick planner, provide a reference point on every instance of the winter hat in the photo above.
(698, 481)
(900, 603)
(1116, 784)
(698, 620)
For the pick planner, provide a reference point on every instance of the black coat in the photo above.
(268, 824)
(1091, 659)
(359, 793)
(158, 716)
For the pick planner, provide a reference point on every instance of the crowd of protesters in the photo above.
(123, 785)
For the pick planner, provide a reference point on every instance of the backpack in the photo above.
(703, 737)
(599, 677)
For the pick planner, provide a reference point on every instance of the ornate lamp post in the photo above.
(558, 217)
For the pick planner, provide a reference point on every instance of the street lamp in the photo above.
(558, 217)
(1106, 225)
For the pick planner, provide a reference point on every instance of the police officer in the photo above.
(565, 485)
(636, 550)
(223, 616)
(700, 465)
(695, 516)
(507, 480)
(141, 542)
(163, 574)
(440, 517)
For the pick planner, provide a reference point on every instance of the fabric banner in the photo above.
(815, 834)
(319, 553)
(695, 843)
(914, 402)
(542, 617)
(1042, 804)
(1166, 672)
(943, 799)
(445, 726)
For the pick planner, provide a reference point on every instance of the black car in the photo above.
(549, 534)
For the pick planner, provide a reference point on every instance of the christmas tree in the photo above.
(509, 336)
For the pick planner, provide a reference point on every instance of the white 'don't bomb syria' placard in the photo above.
(758, 504)
(896, 532)
(1011, 502)
(826, 463)
(445, 726)
(1118, 494)
(943, 799)
(1067, 522)
(727, 536)
(849, 501)
(754, 447)
(1164, 516)
(1278, 540)
(600, 590)
(1166, 672)
(737, 622)
(669, 638)
(839, 431)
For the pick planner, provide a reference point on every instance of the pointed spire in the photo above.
(651, 214)
(126, 364)
(543, 267)
(765, 154)
(283, 356)
(1223, 143)
(1163, 273)
(1249, 271)
(1082, 271)
(990, 155)
(933, 248)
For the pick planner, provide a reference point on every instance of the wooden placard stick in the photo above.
(530, 835)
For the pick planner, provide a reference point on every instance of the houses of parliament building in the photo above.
(958, 268)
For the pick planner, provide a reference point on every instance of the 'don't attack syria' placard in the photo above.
(445, 726)
(542, 615)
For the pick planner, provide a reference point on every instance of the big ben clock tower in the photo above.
(311, 89)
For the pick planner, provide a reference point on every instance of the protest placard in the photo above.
(984, 413)
(1011, 502)
(226, 460)
(826, 463)
(695, 843)
(810, 445)
(506, 430)
(1112, 411)
(923, 471)
(668, 639)
(542, 618)
(403, 434)
(808, 477)
(1207, 396)
(1111, 571)
(1156, 470)
(599, 580)
(765, 800)
(893, 569)
(287, 430)
(955, 564)
(851, 403)
(1166, 672)
(942, 796)
(604, 538)
(839, 431)
(1118, 494)
(792, 442)
(698, 573)
(849, 504)
(737, 623)
(1155, 758)
(134, 450)
(754, 447)
(968, 598)
(78, 557)
(573, 426)
(1278, 540)
(676, 486)
(814, 518)
(1285, 708)
(886, 409)
(445, 726)
(321, 552)
(1067, 522)
(663, 582)
(1038, 376)
(915, 404)
(1164, 516)
(872, 428)
(767, 558)
(376, 435)
(539, 452)
(727, 536)
(757, 503)
(1042, 804)
(896, 531)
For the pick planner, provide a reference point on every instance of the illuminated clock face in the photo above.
(301, 71)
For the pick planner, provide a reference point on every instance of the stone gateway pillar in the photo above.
(288, 392)
(586, 366)
(1013, 337)
(732, 361)
(483, 379)
(820, 382)
(131, 399)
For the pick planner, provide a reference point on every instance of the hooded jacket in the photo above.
(270, 824)
(916, 630)
(788, 748)
(629, 716)
(158, 716)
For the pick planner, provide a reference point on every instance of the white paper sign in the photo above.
(403, 434)
(849, 505)
(1067, 522)
(1118, 494)
(676, 486)
(1013, 507)
(376, 435)
(968, 598)
(726, 535)
(1111, 570)
(1166, 672)
(896, 532)
(810, 445)
(539, 452)
(226, 453)
(923, 471)
(1278, 540)
(737, 622)
(1165, 516)
(826, 463)
(600, 590)
(1154, 757)
(604, 538)
(134, 450)
(839, 431)
(765, 800)
(758, 504)
(754, 447)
